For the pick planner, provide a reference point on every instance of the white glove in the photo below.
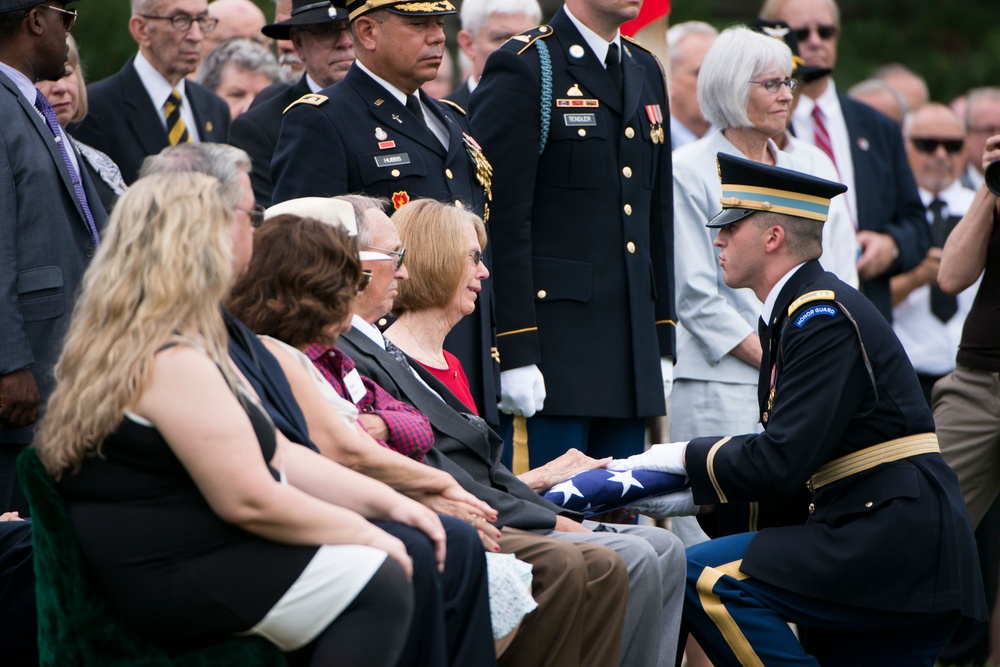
(675, 503)
(522, 391)
(668, 457)
(667, 369)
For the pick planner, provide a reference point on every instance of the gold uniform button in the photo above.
(383, 321)
(582, 132)
(542, 294)
(630, 247)
(628, 209)
(812, 508)
(629, 132)
(627, 172)
(447, 172)
(395, 172)
(869, 504)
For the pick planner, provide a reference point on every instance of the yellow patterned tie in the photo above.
(176, 131)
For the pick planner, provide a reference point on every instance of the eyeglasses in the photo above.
(398, 253)
(68, 16)
(183, 22)
(774, 85)
(366, 278)
(825, 32)
(477, 256)
(930, 145)
(328, 34)
(256, 215)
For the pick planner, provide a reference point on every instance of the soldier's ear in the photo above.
(366, 32)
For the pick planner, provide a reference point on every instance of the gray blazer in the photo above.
(46, 245)
(465, 448)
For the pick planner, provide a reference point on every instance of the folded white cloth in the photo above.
(510, 592)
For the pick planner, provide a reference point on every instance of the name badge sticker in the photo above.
(580, 119)
(393, 160)
(355, 387)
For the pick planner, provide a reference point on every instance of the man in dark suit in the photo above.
(376, 132)
(466, 448)
(322, 39)
(486, 25)
(149, 104)
(885, 563)
(50, 221)
(582, 230)
(867, 149)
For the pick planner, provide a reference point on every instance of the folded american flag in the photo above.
(598, 491)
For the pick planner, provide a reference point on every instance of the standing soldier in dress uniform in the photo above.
(376, 132)
(574, 118)
(885, 564)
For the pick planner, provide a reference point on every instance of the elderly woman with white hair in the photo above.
(745, 88)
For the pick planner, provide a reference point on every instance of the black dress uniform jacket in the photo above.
(582, 233)
(895, 537)
(355, 137)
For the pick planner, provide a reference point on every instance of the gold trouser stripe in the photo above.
(519, 464)
(754, 512)
(710, 465)
(670, 322)
(893, 450)
(732, 569)
(516, 331)
(718, 614)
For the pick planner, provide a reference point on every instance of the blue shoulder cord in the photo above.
(545, 60)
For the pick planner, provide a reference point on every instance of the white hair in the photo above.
(738, 56)
(474, 13)
(677, 33)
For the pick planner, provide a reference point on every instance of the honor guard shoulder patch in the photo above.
(529, 37)
(818, 295)
(454, 106)
(811, 312)
(312, 98)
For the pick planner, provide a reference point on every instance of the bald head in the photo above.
(237, 19)
(934, 146)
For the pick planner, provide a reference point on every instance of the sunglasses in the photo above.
(825, 32)
(366, 278)
(398, 253)
(68, 16)
(183, 22)
(477, 256)
(774, 85)
(256, 215)
(930, 145)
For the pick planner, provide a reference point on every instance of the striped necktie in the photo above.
(822, 137)
(176, 131)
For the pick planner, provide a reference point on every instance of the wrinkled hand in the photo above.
(522, 391)
(19, 399)
(667, 370)
(668, 457)
(375, 426)
(675, 503)
(463, 505)
(878, 252)
(567, 525)
(558, 470)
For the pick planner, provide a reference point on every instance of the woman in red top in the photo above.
(444, 257)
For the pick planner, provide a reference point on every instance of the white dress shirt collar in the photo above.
(369, 330)
(22, 82)
(772, 296)
(595, 41)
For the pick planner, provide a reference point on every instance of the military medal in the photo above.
(574, 91)
(655, 115)
(484, 171)
(770, 396)
(380, 134)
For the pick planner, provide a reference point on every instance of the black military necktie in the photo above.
(413, 104)
(614, 66)
(944, 306)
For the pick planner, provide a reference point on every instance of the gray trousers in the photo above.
(656, 570)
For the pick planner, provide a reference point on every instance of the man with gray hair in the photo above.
(148, 104)
(486, 25)
(982, 121)
(237, 71)
(687, 43)
(880, 96)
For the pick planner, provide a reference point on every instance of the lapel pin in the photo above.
(380, 134)
(209, 127)
(576, 51)
(863, 144)
(379, 102)
(574, 91)
(396, 118)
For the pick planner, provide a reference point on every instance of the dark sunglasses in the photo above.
(366, 278)
(68, 16)
(825, 32)
(183, 22)
(256, 215)
(477, 256)
(930, 145)
(398, 253)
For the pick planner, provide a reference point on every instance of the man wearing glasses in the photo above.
(866, 148)
(322, 39)
(148, 104)
(50, 220)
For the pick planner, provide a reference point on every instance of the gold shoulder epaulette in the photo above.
(311, 98)
(529, 37)
(818, 295)
(454, 106)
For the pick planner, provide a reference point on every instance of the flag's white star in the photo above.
(625, 478)
(567, 489)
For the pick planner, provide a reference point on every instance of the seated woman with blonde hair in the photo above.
(200, 521)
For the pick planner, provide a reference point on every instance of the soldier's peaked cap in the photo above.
(358, 8)
(748, 187)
